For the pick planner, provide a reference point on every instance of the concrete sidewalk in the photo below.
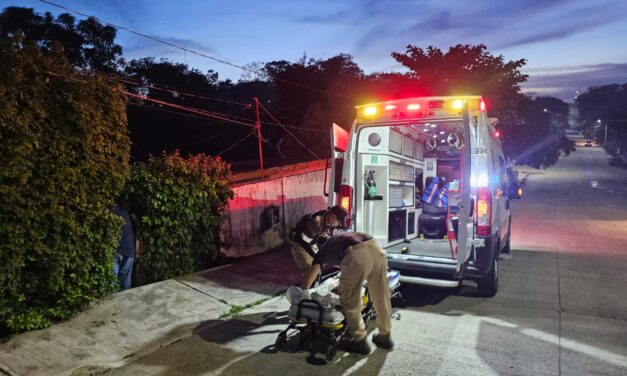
(140, 321)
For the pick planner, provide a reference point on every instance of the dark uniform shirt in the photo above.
(127, 241)
(335, 248)
(312, 225)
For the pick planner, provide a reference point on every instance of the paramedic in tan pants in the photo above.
(361, 259)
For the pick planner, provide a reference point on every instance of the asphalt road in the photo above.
(561, 308)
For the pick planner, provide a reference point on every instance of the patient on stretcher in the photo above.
(326, 295)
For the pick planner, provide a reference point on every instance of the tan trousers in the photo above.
(302, 259)
(365, 262)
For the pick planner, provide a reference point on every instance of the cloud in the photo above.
(498, 24)
(327, 18)
(560, 24)
(564, 81)
(147, 47)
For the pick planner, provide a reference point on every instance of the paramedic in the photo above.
(310, 229)
(361, 259)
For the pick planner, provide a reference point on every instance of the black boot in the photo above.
(383, 341)
(357, 347)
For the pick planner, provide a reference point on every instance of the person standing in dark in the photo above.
(125, 254)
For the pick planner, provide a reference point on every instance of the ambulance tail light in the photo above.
(484, 211)
(346, 201)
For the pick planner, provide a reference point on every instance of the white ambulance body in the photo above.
(390, 157)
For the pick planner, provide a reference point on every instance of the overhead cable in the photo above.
(189, 109)
(290, 133)
(183, 48)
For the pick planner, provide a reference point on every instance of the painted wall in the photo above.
(262, 214)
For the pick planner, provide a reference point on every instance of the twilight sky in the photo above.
(568, 44)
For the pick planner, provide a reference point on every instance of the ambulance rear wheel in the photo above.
(488, 285)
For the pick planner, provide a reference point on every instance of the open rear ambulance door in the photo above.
(465, 233)
(339, 145)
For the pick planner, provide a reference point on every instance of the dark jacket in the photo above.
(127, 241)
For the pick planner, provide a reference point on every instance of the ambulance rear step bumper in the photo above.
(428, 281)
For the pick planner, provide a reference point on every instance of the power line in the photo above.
(189, 116)
(289, 132)
(183, 48)
(194, 110)
(235, 144)
(174, 90)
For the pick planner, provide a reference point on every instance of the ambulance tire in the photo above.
(508, 247)
(488, 285)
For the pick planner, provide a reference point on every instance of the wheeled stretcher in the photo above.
(317, 313)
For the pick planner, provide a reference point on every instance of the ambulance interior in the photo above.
(417, 183)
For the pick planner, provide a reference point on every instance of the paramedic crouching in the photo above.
(361, 259)
(310, 229)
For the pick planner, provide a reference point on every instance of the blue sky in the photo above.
(568, 44)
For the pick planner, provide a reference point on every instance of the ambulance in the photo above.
(427, 178)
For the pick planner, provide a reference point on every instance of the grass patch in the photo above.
(237, 310)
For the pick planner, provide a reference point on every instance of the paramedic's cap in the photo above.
(340, 213)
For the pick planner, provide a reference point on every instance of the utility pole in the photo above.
(258, 125)
(605, 143)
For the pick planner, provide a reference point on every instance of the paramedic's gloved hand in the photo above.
(311, 276)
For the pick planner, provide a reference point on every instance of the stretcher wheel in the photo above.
(331, 352)
(302, 341)
(281, 340)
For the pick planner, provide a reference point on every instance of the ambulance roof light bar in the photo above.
(425, 107)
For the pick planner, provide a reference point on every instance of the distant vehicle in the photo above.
(394, 156)
(588, 143)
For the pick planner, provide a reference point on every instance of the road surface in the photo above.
(561, 308)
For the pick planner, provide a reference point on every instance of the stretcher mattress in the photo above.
(329, 301)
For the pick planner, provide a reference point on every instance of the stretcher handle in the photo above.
(310, 304)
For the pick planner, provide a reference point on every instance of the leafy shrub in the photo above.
(64, 152)
(177, 205)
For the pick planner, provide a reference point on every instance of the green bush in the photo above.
(64, 152)
(177, 205)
